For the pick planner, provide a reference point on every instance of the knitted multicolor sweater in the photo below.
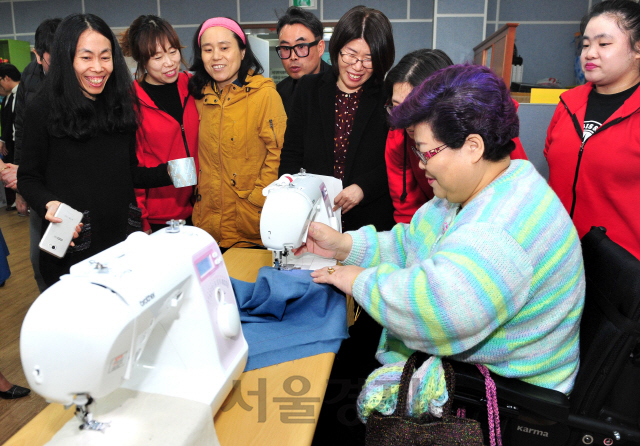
(499, 282)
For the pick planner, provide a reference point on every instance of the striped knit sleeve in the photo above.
(370, 248)
(478, 279)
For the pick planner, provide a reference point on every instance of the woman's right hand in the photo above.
(348, 198)
(326, 242)
(52, 208)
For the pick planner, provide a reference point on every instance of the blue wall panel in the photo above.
(263, 10)
(534, 121)
(461, 7)
(28, 15)
(411, 36)
(32, 41)
(457, 36)
(490, 30)
(6, 24)
(186, 36)
(542, 10)
(491, 10)
(421, 9)
(547, 51)
(122, 15)
(334, 9)
(196, 11)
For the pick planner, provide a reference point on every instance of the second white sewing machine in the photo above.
(292, 203)
(149, 329)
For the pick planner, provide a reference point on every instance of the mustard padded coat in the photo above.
(241, 135)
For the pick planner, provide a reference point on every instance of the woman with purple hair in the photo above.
(489, 271)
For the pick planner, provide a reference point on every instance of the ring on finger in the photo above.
(331, 270)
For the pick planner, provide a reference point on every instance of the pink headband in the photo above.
(225, 23)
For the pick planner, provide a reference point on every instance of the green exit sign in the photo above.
(305, 3)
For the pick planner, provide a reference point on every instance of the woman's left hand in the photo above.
(342, 277)
(52, 207)
(348, 198)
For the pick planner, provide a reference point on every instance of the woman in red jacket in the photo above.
(593, 142)
(168, 117)
(407, 183)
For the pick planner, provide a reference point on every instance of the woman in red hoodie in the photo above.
(593, 141)
(168, 117)
(407, 183)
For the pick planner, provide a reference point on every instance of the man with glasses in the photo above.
(300, 49)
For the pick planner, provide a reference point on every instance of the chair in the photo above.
(604, 406)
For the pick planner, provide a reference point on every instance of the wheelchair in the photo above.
(604, 406)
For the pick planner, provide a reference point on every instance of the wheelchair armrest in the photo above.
(548, 403)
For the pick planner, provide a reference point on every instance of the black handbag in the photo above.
(400, 429)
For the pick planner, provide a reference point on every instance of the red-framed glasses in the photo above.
(425, 156)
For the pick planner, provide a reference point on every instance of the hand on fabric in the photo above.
(52, 208)
(349, 197)
(342, 277)
(326, 242)
(3, 149)
(10, 175)
(22, 205)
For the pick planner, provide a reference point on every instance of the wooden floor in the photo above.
(16, 296)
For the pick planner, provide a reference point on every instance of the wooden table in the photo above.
(277, 405)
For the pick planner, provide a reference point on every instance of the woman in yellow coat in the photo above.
(242, 124)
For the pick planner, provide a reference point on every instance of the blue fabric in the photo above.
(286, 316)
(5, 272)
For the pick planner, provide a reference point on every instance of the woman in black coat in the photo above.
(338, 127)
(338, 124)
(80, 147)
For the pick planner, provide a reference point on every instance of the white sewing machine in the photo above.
(292, 203)
(154, 314)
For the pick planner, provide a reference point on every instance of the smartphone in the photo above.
(57, 237)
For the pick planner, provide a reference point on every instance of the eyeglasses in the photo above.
(426, 156)
(350, 59)
(389, 107)
(301, 49)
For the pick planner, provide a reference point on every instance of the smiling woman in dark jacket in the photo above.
(338, 124)
(80, 147)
